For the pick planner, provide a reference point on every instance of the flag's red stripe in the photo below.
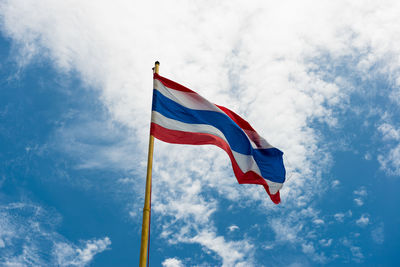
(251, 133)
(189, 138)
(236, 118)
(171, 84)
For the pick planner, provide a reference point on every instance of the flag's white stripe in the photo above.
(274, 187)
(245, 162)
(197, 102)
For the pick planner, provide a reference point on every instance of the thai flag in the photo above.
(182, 116)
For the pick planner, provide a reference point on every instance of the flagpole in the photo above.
(147, 198)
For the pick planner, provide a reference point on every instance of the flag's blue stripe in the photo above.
(268, 160)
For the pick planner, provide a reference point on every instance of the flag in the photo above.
(181, 116)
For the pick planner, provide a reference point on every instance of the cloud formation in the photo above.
(27, 238)
(360, 195)
(363, 220)
(71, 255)
(172, 262)
(378, 234)
(390, 161)
(265, 60)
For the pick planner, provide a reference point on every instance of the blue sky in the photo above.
(322, 84)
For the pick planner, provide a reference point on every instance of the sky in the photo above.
(320, 80)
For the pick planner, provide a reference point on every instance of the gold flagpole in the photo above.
(147, 198)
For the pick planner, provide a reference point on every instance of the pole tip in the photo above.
(157, 63)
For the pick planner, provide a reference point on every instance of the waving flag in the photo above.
(181, 116)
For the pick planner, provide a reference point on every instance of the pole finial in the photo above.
(156, 67)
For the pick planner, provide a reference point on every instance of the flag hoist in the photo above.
(181, 116)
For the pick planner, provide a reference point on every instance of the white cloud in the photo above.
(233, 228)
(286, 230)
(356, 251)
(233, 253)
(335, 183)
(172, 262)
(325, 242)
(97, 143)
(390, 159)
(349, 213)
(361, 192)
(389, 132)
(308, 248)
(357, 254)
(264, 55)
(378, 235)
(92, 248)
(390, 162)
(359, 201)
(360, 196)
(22, 235)
(339, 217)
(296, 230)
(318, 221)
(71, 255)
(268, 246)
(27, 239)
(363, 220)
